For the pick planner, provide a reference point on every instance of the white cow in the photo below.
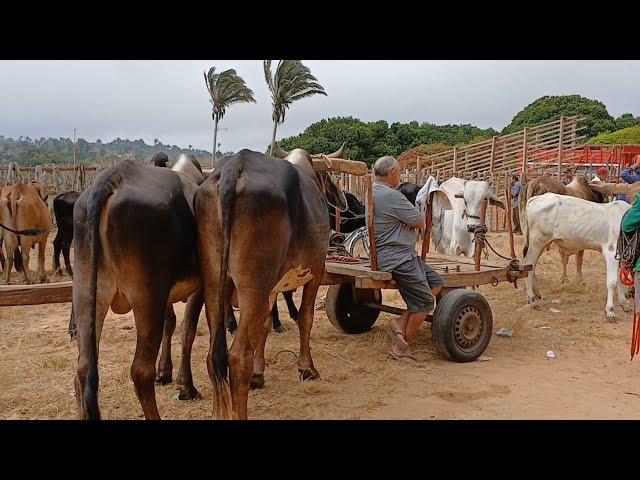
(574, 224)
(451, 226)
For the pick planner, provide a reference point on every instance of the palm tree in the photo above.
(225, 89)
(292, 81)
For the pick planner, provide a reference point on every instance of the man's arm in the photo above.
(630, 175)
(407, 213)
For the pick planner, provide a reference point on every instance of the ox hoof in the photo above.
(58, 271)
(625, 308)
(308, 374)
(189, 393)
(564, 280)
(163, 379)
(279, 329)
(44, 280)
(257, 381)
(611, 317)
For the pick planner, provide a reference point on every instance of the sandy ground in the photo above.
(591, 377)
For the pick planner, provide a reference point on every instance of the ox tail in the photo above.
(522, 212)
(227, 187)
(100, 192)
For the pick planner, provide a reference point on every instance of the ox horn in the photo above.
(280, 152)
(338, 153)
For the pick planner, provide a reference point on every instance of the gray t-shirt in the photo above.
(393, 212)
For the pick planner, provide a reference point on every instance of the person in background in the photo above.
(516, 188)
(160, 159)
(601, 175)
(630, 175)
(568, 177)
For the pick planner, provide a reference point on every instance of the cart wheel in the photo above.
(462, 325)
(343, 311)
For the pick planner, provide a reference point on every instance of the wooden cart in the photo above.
(462, 323)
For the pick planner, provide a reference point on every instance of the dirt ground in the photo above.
(591, 377)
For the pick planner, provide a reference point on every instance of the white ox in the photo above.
(456, 208)
(574, 224)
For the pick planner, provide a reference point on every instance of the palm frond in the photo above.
(226, 88)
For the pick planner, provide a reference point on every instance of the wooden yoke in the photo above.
(371, 221)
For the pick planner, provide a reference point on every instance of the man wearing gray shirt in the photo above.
(396, 224)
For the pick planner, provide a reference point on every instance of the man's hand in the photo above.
(418, 226)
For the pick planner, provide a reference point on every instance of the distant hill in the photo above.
(26, 151)
(629, 135)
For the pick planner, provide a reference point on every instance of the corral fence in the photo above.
(552, 148)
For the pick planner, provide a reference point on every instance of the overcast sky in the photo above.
(167, 99)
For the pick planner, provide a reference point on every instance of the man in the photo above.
(567, 177)
(160, 159)
(516, 187)
(630, 175)
(396, 224)
(630, 223)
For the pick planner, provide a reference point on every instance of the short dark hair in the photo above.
(160, 159)
(515, 177)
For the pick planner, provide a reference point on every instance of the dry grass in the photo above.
(37, 360)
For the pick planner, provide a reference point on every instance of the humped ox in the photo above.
(135, 249)
(63, 210)
(575, 225)
(456, 213)
(263, 228)
(26, 222)
(579, 188)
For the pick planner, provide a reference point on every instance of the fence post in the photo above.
(524, 155)
(560, 147)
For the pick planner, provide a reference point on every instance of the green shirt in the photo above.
(631, 222)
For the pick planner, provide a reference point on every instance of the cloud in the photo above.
(167, 99)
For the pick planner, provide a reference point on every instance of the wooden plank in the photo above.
(16, 295)
(371, 220)
(340, 165)
(356, 270)
(451, 280)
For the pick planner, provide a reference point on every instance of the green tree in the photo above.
(626, 136)
(549, 108)
(625, 120)
(225, 89)
(291, 81)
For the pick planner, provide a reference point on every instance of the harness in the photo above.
(627, 254)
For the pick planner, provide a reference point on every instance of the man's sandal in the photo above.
(397, 337)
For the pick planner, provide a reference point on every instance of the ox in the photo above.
(452, 228)
(63, 211)
(574, 225)
(579, 188)
(126, 210)
(23, 207)
(263, 228)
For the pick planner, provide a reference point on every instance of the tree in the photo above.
(625, 120)
(225, 89)
(291, 81)
(626, 136)
(155, 142)
(548, 109)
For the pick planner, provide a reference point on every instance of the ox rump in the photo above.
(574, 224)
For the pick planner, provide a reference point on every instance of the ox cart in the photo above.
(462, 323)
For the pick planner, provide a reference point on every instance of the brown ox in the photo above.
(23, 209)
(135, 249)
(263, 228)
(579, 187)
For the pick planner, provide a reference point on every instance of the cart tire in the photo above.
(343, 311)
(462, 325)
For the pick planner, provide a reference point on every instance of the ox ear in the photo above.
(334, 195)
(493, 200)
(280, 152)
(443, 199)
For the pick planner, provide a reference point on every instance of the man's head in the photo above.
(387, 169)
(602, 173)
(514, 178)
(160, 159)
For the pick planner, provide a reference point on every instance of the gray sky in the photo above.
(167, 99)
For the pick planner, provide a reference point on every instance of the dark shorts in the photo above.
(415, 279)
